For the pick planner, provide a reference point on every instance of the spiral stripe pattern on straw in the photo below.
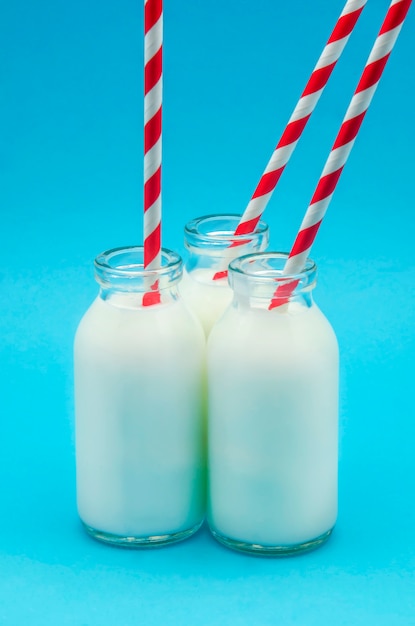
(343, 144)
(301, 114)
(153, 54)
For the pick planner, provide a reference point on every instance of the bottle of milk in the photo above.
(273, 413)
(211, 245)
(138, 400)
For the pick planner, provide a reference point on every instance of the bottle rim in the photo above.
(126, 263)
(268, 268)
(210, 231)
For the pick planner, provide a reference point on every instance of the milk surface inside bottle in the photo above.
(273, 414)
(138, 403)
(211, 244)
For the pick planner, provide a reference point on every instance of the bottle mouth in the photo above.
(266, 271)
(124, 268)
(218, 232)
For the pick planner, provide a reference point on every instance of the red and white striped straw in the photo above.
(153, 55)
(343, 144)
(300, 116)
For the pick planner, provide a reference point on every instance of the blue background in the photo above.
(71, 186)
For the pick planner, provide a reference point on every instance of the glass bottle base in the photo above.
(151, 541)
(262, 550)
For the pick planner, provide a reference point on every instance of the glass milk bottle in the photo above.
(273, 413)
(211, 245)
(138, 401)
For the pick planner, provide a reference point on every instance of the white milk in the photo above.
(208, 299)
(139, 431)
(273, 407)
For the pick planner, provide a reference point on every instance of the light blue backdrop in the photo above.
(71, 186)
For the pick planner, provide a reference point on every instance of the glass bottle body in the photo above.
(211, 244)
(273, 414)
(138, 389)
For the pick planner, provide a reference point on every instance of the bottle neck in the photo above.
(124, 281)
(211, 242)
(257, 280)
